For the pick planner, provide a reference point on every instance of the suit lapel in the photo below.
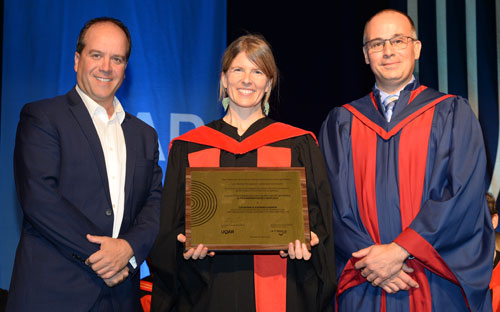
(130, 138)
(85, 121)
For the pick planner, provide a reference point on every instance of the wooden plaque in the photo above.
(246, 208)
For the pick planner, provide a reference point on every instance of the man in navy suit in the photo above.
(89, 184)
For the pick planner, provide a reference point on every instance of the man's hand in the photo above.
(117, 278)
(299, 251)
(199, 253)
(380, 262)
(111, 258)
(400, 281)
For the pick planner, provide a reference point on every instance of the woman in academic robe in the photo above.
(197, 279)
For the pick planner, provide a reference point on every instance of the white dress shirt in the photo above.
(113, 146)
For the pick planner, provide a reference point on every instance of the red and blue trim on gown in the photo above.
(419, 181)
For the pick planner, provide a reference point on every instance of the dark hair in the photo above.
(492, 204)
(414, 31)
(258, 51)
(81, 43)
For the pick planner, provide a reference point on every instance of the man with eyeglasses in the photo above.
(407, 165)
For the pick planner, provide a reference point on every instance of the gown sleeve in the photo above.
(350, 233)
(453, 228)
(320, 218)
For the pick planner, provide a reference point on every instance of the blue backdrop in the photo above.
(171, 79)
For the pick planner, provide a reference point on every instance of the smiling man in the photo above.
(89, 184)
(406, 166)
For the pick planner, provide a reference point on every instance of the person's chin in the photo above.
(392, 76)
(245, 104)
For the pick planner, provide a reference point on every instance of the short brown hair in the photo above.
(80, 44)
(258, 51)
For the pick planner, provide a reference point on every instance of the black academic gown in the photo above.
(226, 281)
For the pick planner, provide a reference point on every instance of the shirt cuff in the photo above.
(133, 263)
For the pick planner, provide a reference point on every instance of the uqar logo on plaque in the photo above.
(246, 208)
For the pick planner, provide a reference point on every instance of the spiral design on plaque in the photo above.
(203, 203)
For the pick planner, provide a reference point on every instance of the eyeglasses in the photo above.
(398, 43)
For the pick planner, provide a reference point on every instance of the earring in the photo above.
(225, 103)
(266, 108)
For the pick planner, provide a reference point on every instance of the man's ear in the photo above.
(77, 60)
(417, 47)
(367, 59)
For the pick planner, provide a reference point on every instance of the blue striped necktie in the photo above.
(389, 103)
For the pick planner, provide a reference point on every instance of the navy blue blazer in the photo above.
(62, 187)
